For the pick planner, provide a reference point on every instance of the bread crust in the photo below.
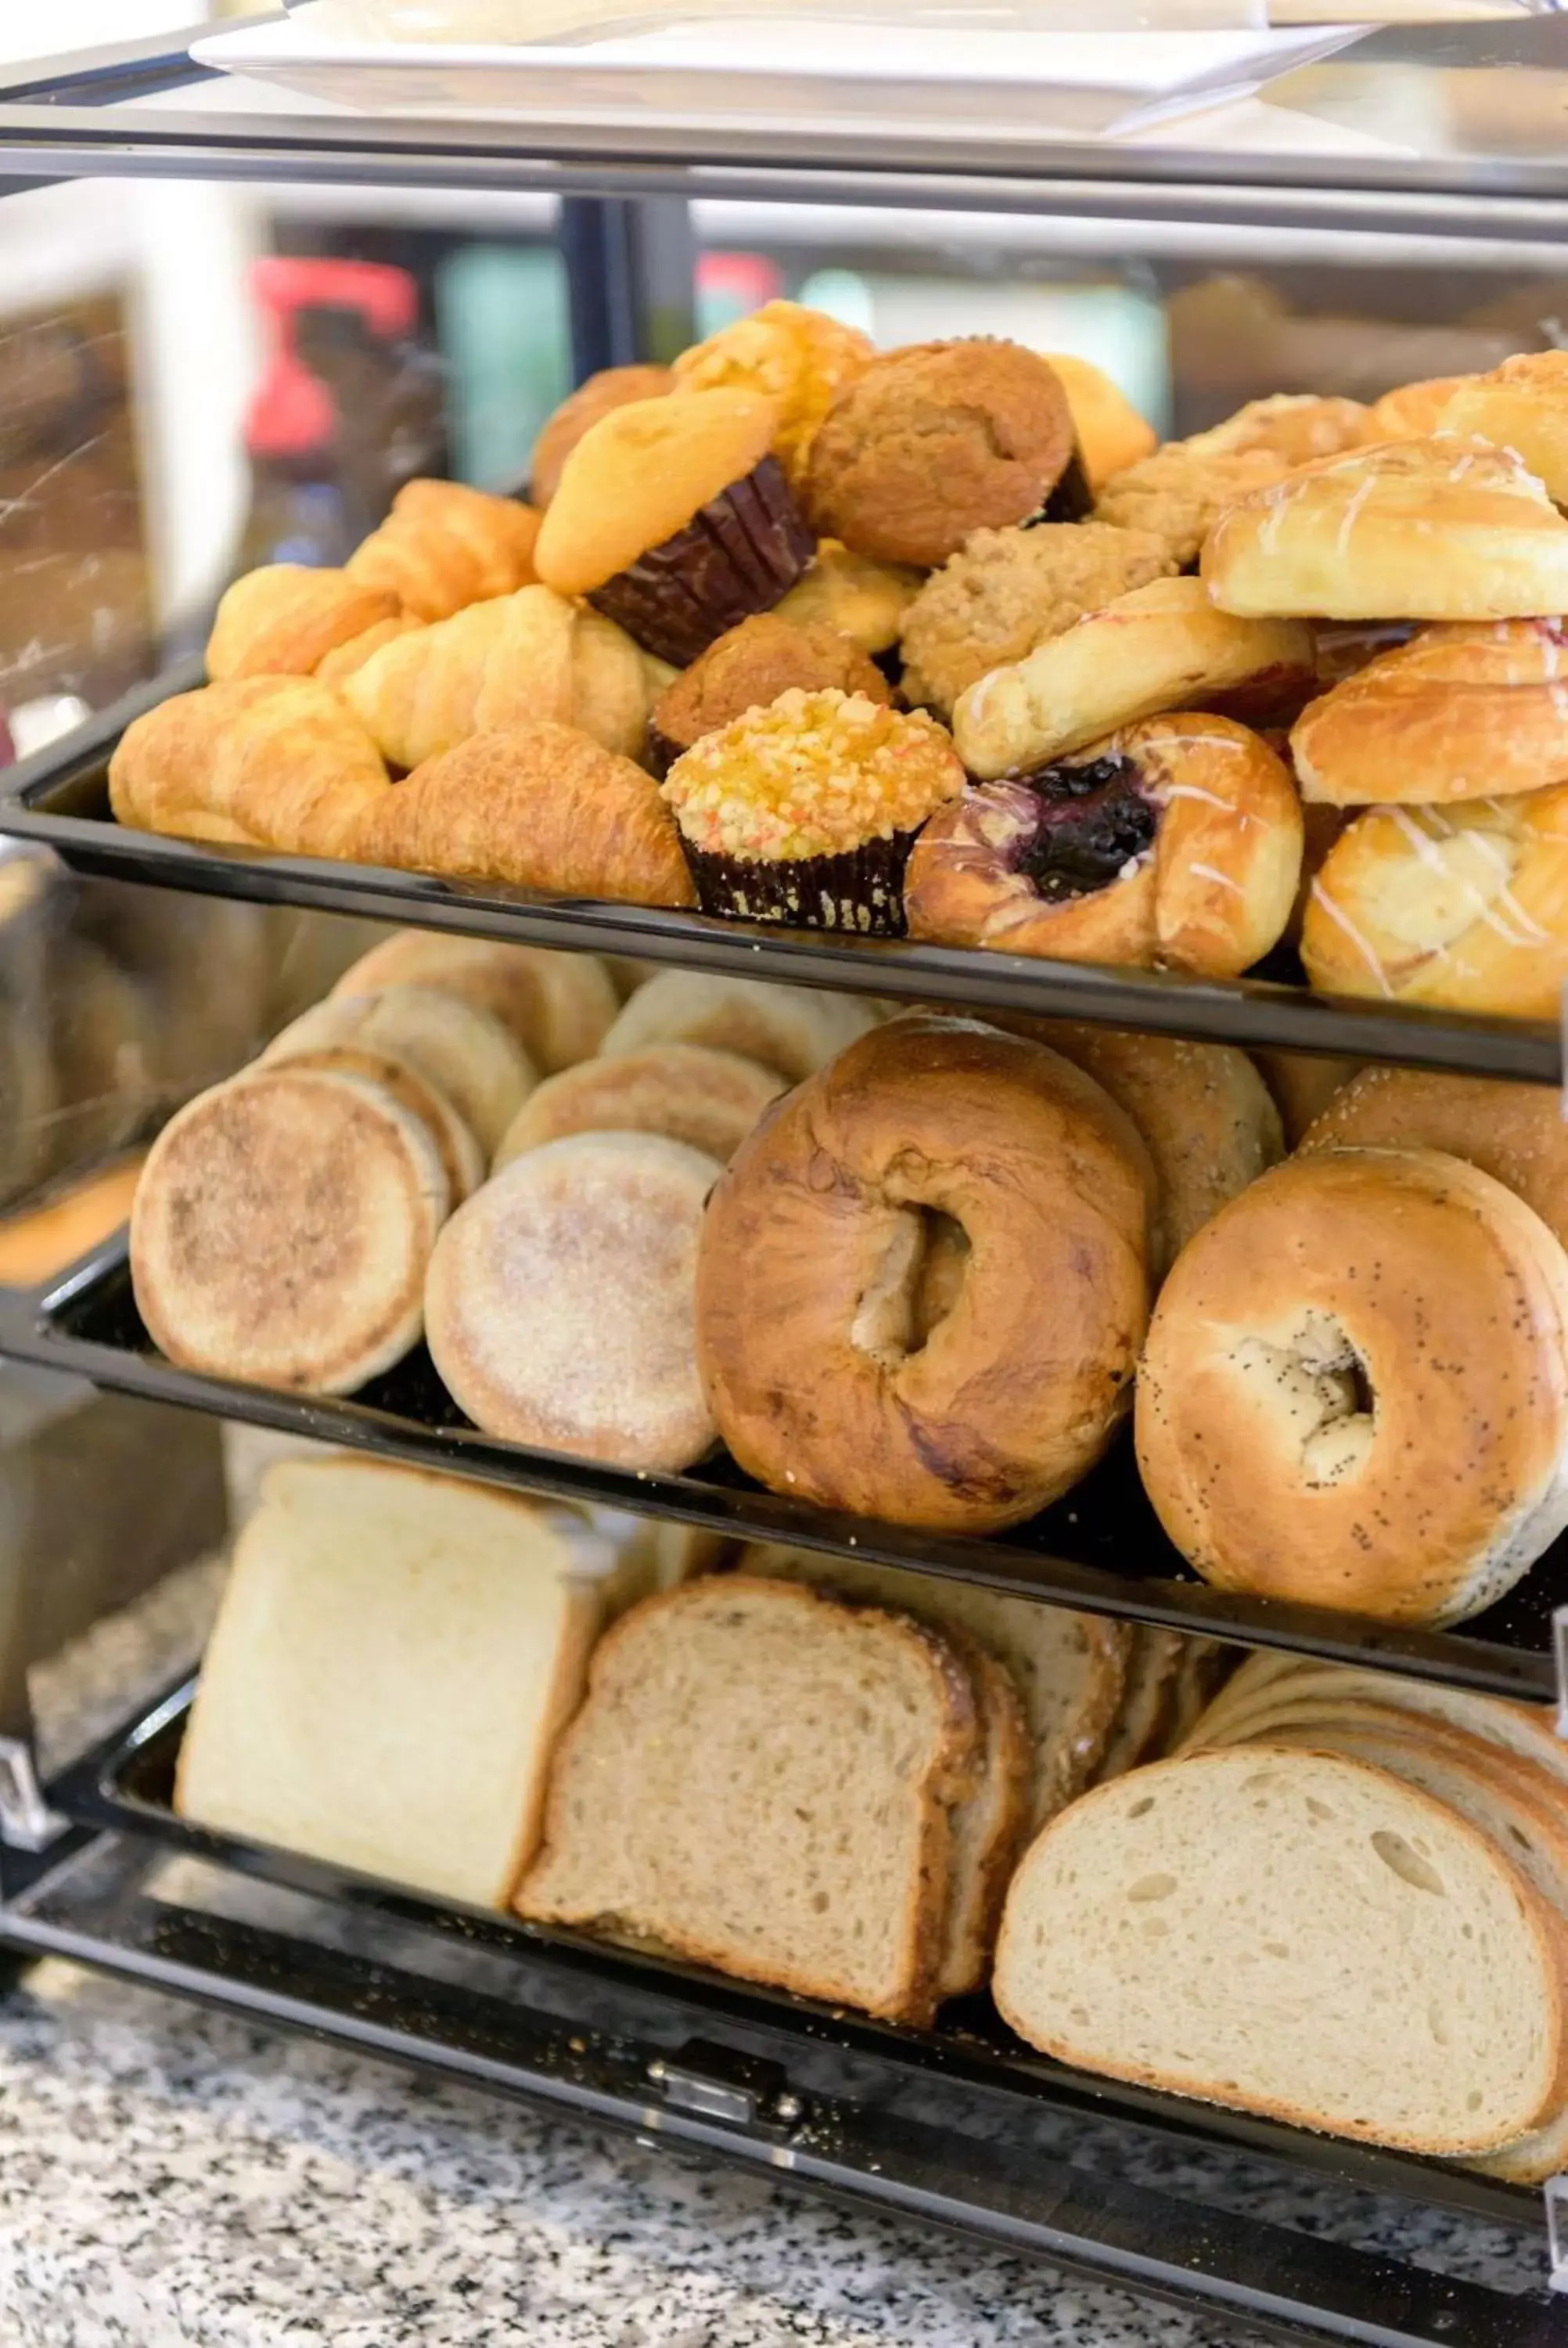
(811, 1254)
(1213, 894)
(1447, 1299)
(1458, 713)
(443, 546)
(285, 618)
(1159, 647)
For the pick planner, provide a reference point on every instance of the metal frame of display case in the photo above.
(954, 2126)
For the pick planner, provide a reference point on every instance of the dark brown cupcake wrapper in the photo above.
(1072, 500)
(660, 753)
(860, 888)
(741, 554)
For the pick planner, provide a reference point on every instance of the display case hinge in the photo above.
(26, 1821)
(711, 2083)
(1556, 2191)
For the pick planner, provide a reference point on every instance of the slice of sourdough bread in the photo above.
(764, 1779)
(393, 1657)
(1070, 1669)
(1294, 1934)
(1523, 1730)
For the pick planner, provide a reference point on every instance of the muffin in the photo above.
(750, 667)
(799, 358)
(1007, 590)
(560, 432)
(1111, 433)
(863, 600)
(806, 811)
(1179, 493)
(673, 519)
(936, 442)
(1296, 426)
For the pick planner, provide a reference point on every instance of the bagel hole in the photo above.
(914, 1287)
(1318, 1386)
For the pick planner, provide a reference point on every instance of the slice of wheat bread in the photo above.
(763, 1779)
(1297, 1935)
(393, 1657)
(1155, 1657)
(1070, 1669)
(1523, 1730)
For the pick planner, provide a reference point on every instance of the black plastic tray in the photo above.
(1100, 1550)
(61, 798)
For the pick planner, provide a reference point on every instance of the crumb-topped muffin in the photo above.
(750, 667)
(1006, 591)
(1179, 493)
(801, 359)
(806, 811)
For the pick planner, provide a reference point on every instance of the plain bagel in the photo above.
(924, 1279)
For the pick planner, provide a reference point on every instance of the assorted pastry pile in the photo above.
(940, 641)
(1328, 1895)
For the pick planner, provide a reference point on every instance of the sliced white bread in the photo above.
(1263, 1669)
(1523, 1730)
(1070, 1669)
(763, 1781)
(1294, 1934)
(394, 1659)
(989, 1826)
(1156, 1657)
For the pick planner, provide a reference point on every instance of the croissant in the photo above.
(344, 659)
(443, 546)
(542, 805)
(285, 620)
(504, 663)
(263, 761)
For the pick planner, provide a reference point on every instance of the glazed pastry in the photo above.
(801, 359)
(610, 387)
(1414, 410)
(935, 442)
(805, 812)
(863, 599)
(750, 667)
(443, 546)
(791, 1028)
(1173, 843)
(1006, 591)
(1178, 494)
(1163, 646)
(558, 1007)
(1515, 1133)
(1465, 906)
(1296, 425)
(1110, 432)
(1522, 407)
(540, 806)
(284, 620)
(1460, 713)
(709, 1101)
(504, 663)
(812, 1263)
(1445, 529)
(1316, 1418)
(261, 761)
(674, 519)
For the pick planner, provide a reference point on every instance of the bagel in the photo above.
(1355, 1388)
(1458, 713)
(709, 1101)
(1163, 646)
(1175, 842)
(1465, 906)
(833, 1373)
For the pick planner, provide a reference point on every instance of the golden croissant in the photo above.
(262, 761)
(285, 619)
(542, 805)
(443, 546)
(499, 664)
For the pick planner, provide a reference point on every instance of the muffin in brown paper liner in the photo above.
(860, 888)
(737, 556)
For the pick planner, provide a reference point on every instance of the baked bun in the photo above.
(1173, 842)
(640, 474)
(617, 386)
(800, 359)
(1465, 906)
(1179, 493)
(863, 599)
(1316, 1419)
(1163, 646)
(1458, 713)
(934, 442)
(463, 1051)
(1295, 426)
(751, 667)
(443, 546)
(463, 1162)
(1413, 411)
(558, 1304)
(1515, 1133)
(1303, 1084)
(1110, 432)
(1522, 407)
(1445, 529)
(559, 1006)
(281, 1229)
(708, 1099)
(285, 618)
(827, 1378)
(1006, 591)
(793, 1029)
